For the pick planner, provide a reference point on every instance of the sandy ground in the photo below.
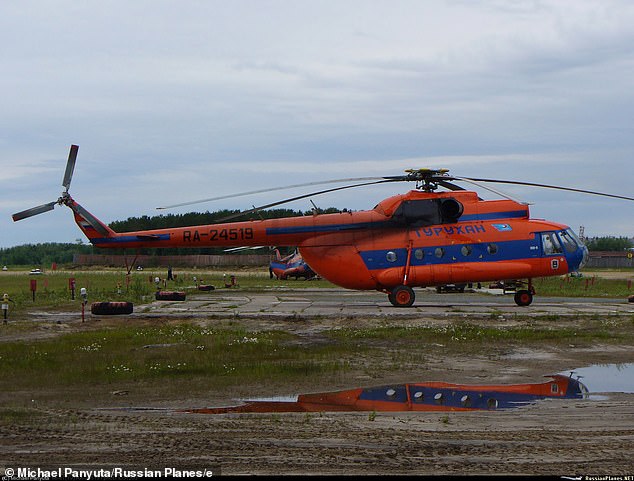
(552, 437)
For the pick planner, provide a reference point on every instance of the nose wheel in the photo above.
(402, 296)
(523, 298)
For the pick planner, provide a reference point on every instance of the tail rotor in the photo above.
(68, 175)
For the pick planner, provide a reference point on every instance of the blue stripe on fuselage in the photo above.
(513, 214)
(452, 254)
(462, 396)
(129, 238)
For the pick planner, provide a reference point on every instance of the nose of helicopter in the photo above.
(577, 258)
(580, 259)
(584, 258)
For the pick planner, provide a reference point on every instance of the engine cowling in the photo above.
(425, 212)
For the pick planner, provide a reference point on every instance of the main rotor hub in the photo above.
(426, 179)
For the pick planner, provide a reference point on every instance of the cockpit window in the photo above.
(551, 243)
(568, 240)
(575, 237)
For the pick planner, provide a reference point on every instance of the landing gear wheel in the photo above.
(402, 296)
(523, 298)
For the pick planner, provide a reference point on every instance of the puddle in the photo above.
(606, 378)
(426, 396)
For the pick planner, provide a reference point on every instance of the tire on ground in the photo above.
(170, 295)
(111, 308)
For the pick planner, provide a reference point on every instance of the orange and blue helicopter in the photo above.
(421, 238)
(292, 265)
(423, 396)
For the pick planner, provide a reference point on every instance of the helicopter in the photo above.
(422, 238)
(292, 265)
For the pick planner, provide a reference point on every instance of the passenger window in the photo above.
(551, 243)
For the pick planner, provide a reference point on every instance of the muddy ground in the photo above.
(135, 430)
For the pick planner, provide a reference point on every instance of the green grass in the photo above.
(467, 333)
(11, 416)
(52, 289)
(173, 360)
(158, 354)
(587, 286)
(104, 285)
(212, 358)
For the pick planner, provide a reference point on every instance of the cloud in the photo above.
(174, 101)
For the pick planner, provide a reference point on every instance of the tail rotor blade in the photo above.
(70, 166)
(33, 211)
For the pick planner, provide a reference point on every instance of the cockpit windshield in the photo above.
(569, 240)
(575, 237)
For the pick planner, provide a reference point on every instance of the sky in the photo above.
(172, 101)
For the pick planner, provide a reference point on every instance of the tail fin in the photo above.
(92, 227)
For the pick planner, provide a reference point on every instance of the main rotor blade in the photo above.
(40, 209)
(70, 166)
(547, 186)
(273, 189)
(491, 189)
(448, 185)
(299, 197)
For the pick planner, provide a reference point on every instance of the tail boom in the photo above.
(269, 232)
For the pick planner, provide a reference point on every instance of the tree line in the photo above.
(42, 254)
(609, 243)
(62, 253)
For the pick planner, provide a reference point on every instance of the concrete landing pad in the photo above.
(342, 302)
